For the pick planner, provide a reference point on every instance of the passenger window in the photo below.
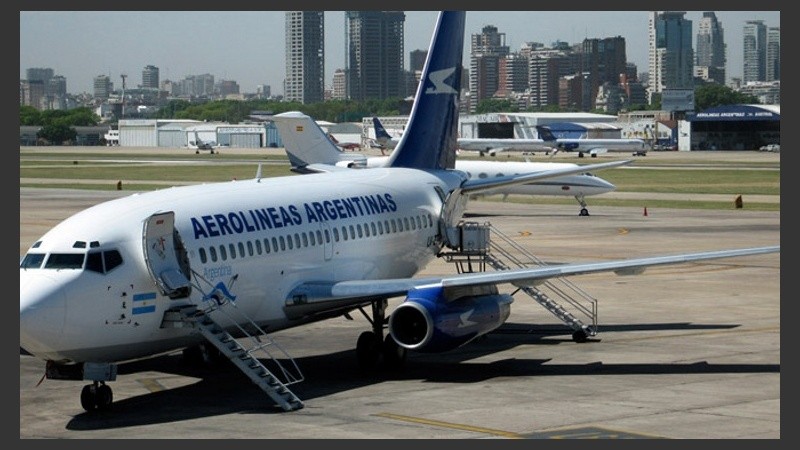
(419, 222)
(213, 252)
(258, 247)
(249, 248)
(283, 243)
(222, 253)
(275, 244)
(203, 256)
(374, 231)
(353, 232)
(405, 222)
(380, 227)
(289, 242)
(241, 250)
(311, 238)
(297, 240)
(336, 234)
(366, 229)
(394, 226)
(327, 236)
(344, 233)
(233, 250)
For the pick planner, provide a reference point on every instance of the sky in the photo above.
(248, 46)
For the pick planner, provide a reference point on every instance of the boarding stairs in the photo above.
(477, 249)
(244, 358)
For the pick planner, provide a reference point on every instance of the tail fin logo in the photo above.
(439, 85)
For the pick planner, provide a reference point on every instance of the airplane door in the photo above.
(163, 253)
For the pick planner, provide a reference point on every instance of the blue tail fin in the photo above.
(429, 141)
(545, 134)
(380, 132)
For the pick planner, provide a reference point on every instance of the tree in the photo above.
(57, 134)
(712, 94)
(489, 105)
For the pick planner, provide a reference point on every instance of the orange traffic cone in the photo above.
(645, 211)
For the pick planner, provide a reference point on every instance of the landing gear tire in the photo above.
(104, 397)
(393, 355)
(96, 397)
(197, 152)
(580, 336)
(584, 212)
(368, 350)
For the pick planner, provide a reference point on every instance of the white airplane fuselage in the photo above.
(380, 223)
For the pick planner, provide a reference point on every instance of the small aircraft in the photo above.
(228, 264)
(309, 152)
(591, 146)
(198, 144)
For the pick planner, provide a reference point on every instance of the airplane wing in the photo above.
(477, 185)
(358, 291)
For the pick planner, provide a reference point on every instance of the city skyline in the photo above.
(81, 45)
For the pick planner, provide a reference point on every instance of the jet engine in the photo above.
(437, 319)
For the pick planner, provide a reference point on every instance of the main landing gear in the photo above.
(96, 396)
(372, 345)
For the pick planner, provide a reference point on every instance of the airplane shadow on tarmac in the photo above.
(223, 389)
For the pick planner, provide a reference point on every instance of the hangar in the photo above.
(733, 127)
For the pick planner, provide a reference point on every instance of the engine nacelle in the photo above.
(352, 164)
(438, 319)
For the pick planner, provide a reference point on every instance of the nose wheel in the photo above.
(96, 396)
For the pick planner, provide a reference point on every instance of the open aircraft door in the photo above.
(165, 255)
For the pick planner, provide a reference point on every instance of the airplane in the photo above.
(222, 263)
(591, 146)
(309, 151)
(344, 145)
(480, 145)
(198, 144)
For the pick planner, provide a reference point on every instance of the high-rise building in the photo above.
(486, 50)
(710, 56)
(103, 87)
(339, 85)
(39, 74)
(604, 60)
(545, 68)
(150, 77)
(31, 93)
(513, 74)
(375, 54)
(755, 51)
(305, 57)
(670, 54)
(773, 69)
(416, 60)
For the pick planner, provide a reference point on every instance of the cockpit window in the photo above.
(113, 259)
(64, 261)
(32, 261)
(96, 259)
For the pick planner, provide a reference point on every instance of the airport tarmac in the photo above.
(686, 351)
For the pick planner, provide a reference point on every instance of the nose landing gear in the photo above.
(96, 396)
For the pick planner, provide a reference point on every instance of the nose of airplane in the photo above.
(42, 311)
